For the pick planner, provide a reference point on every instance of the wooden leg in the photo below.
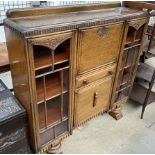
(117, 112)
(55, 148)
(143, 109)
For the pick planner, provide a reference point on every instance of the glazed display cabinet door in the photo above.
(129, 60)
(51, 59)
(99, 46)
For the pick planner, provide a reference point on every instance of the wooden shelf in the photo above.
(61, 65)
(132, 42)
(126, 67)
(129, 40)
(123, 87)
(120, 95)
(134, 35)
(139, 92)
(47, 71)
(53, 87)
(125, 76)
(43, 57)
(132, 46)
(43, 62)
(57, 123)
(54, 110)
(54, 115)
(61, 56)
(145, 72)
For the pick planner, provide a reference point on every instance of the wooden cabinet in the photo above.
(70, 64)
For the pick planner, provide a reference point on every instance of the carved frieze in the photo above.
(137, 25)
(50, 42)
(103, 31)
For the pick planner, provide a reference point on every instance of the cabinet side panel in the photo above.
(20, 75)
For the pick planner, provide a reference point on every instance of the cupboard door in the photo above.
(129, 59)
(99, 46)
(93, 99)
(52, 59)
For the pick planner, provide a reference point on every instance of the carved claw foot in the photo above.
(55, 148)
(116, 112)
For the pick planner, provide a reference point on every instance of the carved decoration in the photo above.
(103, 31)
(55, 148)
(51, 43)
(116, 112)
(27, 33)
(136, 25)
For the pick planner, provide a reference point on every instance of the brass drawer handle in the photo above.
(95, 99)
(85, 82)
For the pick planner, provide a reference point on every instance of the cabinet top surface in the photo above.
(31, 23)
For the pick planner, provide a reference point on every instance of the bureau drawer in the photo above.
(94, 75)
(98, 46)
(93, 99)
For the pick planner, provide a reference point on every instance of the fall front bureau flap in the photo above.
(99, 46)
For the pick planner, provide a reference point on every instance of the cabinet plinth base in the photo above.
(116, 113)
(55, 148)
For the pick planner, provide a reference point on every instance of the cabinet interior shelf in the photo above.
(54, 124)
(130, 41)
(51, 113)
(125, 67)
(131, 46)
(44, 73)
(52, 86)
(134, 35)
(51, 97)
(44, 59)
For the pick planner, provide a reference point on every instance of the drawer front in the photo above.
(99, 46)
(95, 75)
(93, 99)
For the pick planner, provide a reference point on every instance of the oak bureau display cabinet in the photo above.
(70, 64)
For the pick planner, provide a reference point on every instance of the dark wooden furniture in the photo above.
(149, 43)
(75, 63)
(139, 93)
(13, 124)
(4, 61)
(146, 71)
